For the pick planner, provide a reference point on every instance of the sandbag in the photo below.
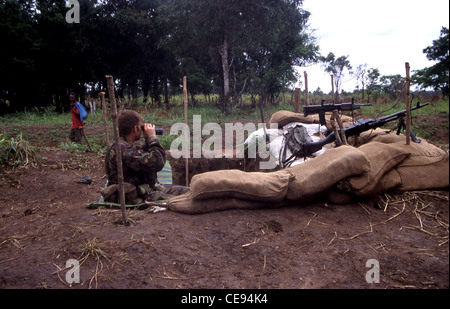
(285, 117)
(256, 186)
(426, 166)
(380, 135)
(320, 174)
(383, 158)
(188, 205)
(426, 169)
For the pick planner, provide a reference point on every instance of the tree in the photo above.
(362, 77)
(373, 82)
(436, 76)
(250, 38)
(148, 45)
(392, 85)
(18, 54)
(336, 67)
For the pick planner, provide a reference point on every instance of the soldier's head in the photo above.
(130, 122)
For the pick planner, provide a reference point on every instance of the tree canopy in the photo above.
(224, 47)
(436, 76)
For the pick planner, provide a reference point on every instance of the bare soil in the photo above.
(44, 222)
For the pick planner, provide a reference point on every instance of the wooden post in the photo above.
(408, 106)
(335, 130)
(297, 100)
(332, 89)
(306, 88)
(112, 102)
(341, 127)
(85, 138)
(186, 138)
(105, 126)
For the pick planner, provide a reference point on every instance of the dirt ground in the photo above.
(44, 222)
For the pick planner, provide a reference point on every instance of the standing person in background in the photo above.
(77, 125)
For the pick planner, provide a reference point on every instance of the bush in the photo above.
(15, 150)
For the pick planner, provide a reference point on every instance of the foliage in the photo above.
(226, 48)
(336, 67)
(15, 150)
(436, 76)
(148, 45)
(239, 44)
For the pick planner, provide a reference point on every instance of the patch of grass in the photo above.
(15, 150)
(435, 108)
(210, 113)
(37, 116)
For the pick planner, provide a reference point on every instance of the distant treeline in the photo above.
(227, 48)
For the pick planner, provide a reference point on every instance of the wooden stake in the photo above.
(297, 100)
(341, 127)
(408, 106)
(85, 138)
(105, 126)
(186, 138)
(335, 130)
(112, 101)
(332, 89)
(306, 89)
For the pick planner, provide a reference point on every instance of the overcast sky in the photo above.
(382, 33)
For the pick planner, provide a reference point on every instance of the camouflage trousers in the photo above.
(164, 192)
(137, 195)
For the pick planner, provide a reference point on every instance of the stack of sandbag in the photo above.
(398, 167)
(380, 163)
(227, 189)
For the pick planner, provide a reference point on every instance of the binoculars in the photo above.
(158, 131)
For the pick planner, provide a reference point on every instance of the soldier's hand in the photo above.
(149, 130)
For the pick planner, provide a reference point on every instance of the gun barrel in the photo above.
(314, 109)
(400, 113)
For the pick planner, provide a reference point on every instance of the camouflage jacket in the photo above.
(140, 162)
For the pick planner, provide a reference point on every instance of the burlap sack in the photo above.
(380, 135)
(256, 186)
(320, 174)
(426, 169)
(383, 158)
(188, 205)
(284, 117)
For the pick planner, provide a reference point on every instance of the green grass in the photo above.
(209, 113)
(15, 150)
(435, 108)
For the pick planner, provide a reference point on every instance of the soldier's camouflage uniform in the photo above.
(140, 164)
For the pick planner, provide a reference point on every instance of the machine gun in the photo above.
(305, 148)
(323, 108)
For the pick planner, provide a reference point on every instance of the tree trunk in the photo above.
(166, 93)
(223, 50)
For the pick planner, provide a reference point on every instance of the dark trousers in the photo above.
(76, 135)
